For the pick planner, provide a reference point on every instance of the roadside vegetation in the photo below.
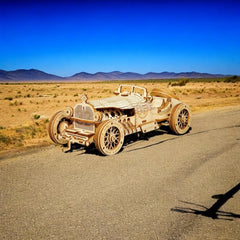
(27, 107)
(15, 137)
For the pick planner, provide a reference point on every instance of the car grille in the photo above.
(86, 112)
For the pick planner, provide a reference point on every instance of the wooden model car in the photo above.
(105, 122)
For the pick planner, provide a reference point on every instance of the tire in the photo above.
(57, 124)
(180, 119)
(109, 137)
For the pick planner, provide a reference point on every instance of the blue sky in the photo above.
(67, 37)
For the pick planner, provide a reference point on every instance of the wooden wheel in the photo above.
(57, 124)
(109, 137)
(180, 119)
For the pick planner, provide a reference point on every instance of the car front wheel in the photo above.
(109, 137)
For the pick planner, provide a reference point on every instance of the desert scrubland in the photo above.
(27, 107)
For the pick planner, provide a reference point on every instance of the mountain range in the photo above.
(37, 75)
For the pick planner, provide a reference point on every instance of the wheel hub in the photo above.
(112, 137)
(62, 126)
(183, 118)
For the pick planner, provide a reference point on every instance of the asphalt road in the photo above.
(159, 187)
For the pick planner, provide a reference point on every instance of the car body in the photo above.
(105, 122)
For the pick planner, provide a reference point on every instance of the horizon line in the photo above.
(29, 69)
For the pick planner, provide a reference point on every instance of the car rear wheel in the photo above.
(57, 124)
(180, 119)
(109, 137)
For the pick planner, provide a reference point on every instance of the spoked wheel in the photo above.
(57, 125)
(109, 137)
(180, 119)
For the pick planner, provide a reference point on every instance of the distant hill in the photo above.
(27, 75)
(37, 75)
(116, 75)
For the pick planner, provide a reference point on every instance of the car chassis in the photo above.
(106, 122)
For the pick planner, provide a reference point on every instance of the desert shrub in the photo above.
(8, 98)
(75, 95)
(232, 79)
(181, 82)
(36, 116)
(5, 139)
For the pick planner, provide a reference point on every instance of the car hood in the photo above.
(122, 102)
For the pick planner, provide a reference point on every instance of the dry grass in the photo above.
(26, 108)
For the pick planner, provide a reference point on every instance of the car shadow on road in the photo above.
(146, 137)
(212, 212)
(129, 140)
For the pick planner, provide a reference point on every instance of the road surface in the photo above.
(159, 187)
